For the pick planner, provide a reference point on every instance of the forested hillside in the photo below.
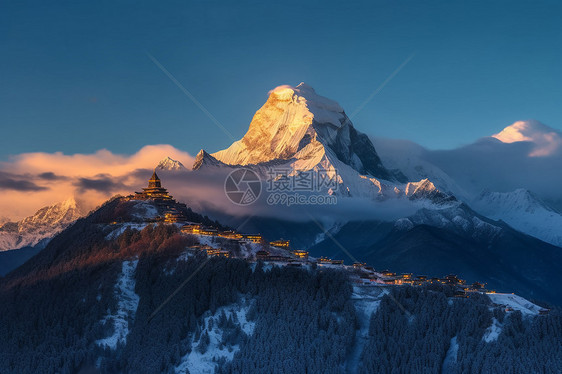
(84, 304)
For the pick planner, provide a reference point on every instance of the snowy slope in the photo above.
(493, 332)
(205, 354)
(451, 357)
(40, 227)
(516, 302)
(127, 304)
(523, 211)
(366, 301)
(457, 218)
(410, 159)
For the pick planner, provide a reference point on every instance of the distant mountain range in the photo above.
(453, 240)
(449, 221)
(524, 211)
(299, 130)
(470, 172)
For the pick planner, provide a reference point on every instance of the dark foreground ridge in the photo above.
(83, 303)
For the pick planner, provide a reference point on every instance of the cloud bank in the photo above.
(30, 181)
(546, 141)
(526, 155)
(33, 180)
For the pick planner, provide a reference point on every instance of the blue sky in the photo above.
(75, 76)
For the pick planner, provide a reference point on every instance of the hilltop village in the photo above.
(215, 242)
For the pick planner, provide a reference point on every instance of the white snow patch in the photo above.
(515, 302)
(366, 301)
(451, 357)
(196, 362)
(127, 304)
(481, 225)
(493, 332)
(145, 210)
(120, 229)
(185, 256)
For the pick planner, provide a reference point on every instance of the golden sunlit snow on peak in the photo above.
(284, 92)
(546, 140)
(278, 128)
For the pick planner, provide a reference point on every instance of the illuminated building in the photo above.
(217, 252)
(300, 254)
(154, 190)
(230, 235)
(280, 243)
(193, 228)
(254, 238)
(174, 217)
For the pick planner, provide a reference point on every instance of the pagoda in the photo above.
(154, 190)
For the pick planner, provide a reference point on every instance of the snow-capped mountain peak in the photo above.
(60, 213)
(284, 125)
(40, 227)
(298, 126)
(170, 164)
(205, 159)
